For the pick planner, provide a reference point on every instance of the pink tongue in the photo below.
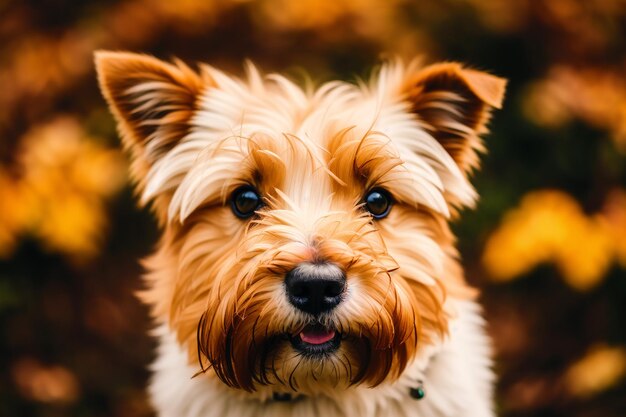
(316, 337)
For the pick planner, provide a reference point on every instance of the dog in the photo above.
(306, 265)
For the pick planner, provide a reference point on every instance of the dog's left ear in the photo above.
(152, 101)
(454, 104)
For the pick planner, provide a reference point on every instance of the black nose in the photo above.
(315, 287)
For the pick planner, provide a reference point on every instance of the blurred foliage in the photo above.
(598, 370)
(550, 226)
(56, 195)
(547, 244)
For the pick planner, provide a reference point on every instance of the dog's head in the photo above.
(305, 240)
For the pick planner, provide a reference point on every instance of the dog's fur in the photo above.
(215, 284)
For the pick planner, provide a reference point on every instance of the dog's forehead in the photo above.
(309, 133)
(305, 130)
(278, 107)
(303, 143)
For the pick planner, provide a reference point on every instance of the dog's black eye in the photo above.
(378, 203)
(245, 201)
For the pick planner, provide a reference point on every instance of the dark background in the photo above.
(547, 243)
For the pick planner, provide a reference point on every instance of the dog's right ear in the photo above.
(152, 102)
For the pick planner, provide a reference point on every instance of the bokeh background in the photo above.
(547, 243)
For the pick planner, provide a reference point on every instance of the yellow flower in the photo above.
(72, 224)
(587, 255)
(59, 196)
(601, 368)
(550, 226)
(17, 209)
(8, 221)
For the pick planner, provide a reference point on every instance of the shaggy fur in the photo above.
(215, 284)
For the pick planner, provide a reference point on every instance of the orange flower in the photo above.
(615, 213)
(48, 384)
(596, 96)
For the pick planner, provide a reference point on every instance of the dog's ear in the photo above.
(152, 102)
(454, 104)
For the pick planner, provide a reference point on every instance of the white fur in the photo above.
(456, 374)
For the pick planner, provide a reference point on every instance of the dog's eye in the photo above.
(245, 201)
(378, 203)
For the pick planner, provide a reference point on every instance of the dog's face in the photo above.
(305, 240)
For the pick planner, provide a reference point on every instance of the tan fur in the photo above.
(454, 104)
(217, 280)
(152, 102)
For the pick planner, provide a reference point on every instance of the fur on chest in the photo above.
(456, 376)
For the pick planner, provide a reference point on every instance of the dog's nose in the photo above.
(315, 287)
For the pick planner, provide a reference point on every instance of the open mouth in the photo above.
(316, 340)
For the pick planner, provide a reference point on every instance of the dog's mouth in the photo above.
(316, 340)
